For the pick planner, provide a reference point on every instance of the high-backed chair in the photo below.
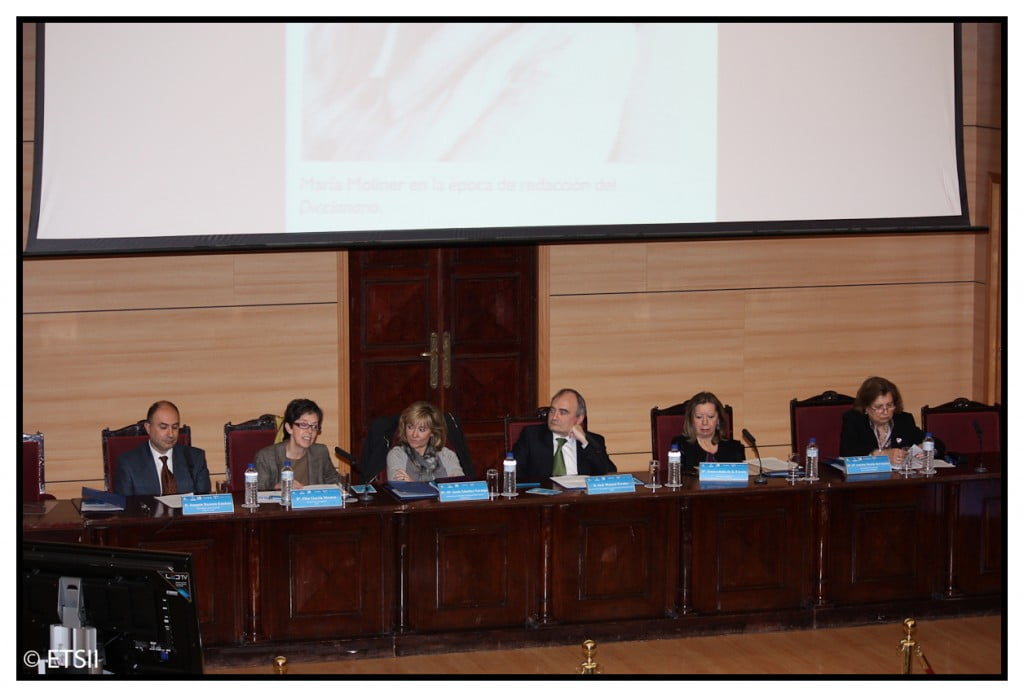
(819, 417)
(965, 427)
(33, 477)
(372, 463)
(118, 441)
(668, 423)
(514, 425)
(241, 443)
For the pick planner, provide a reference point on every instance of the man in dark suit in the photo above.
(161, 465)
(562, 446)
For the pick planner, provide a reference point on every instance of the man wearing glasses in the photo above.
(162, 465)
(310, 460)
(877, 424)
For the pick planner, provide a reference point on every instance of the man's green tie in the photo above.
(559, 468)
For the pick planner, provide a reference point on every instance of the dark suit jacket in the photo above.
(858, 438)
(535, 454)
(136, 473)
(693, 454)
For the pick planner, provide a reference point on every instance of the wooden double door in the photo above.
(454, 326)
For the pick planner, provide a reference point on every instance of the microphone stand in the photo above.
(760, 478)
(980, 467)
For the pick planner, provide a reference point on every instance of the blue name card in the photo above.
(611, 484)
(706, 485)
(463, 491)
(209, 503)
(866, 464)
(723, 472)
(329, 497)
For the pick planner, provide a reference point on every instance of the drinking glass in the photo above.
(906, 463)
(492, 484)
(794, 467)
(654, 471)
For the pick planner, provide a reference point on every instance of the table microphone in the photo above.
(760, 478)
(980, 467)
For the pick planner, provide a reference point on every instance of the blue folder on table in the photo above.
(411, 491)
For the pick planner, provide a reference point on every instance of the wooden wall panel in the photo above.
(28, 77)
(86, 371)
(611, 268)
(27, 150)
(628, 353)
(800, 342)
(902, 307)
(135, 283)
(982, 70)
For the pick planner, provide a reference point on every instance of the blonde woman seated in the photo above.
(420, 455)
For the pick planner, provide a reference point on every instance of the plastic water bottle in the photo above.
(675, 467)
(252, 478)
(928, 446)
(811, 461)
(287, 478)
(508, 485)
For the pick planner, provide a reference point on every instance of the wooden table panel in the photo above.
(391, 574)
(751, 552)
(324, 575)
(610, 559)
(471, 566)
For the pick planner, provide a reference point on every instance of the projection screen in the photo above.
(217, 135)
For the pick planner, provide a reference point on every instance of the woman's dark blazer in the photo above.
(858, 438)
(693, 454)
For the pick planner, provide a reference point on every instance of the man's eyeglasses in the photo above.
(303, 426)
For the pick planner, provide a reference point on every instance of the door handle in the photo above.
(432, 355)
(446, 359)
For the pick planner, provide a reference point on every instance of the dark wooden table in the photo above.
(389, 577)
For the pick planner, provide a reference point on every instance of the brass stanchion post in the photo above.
(909, 648)
(589, 665)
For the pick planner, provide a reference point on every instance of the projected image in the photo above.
(463, 92)
(545, 123)
(164, 135)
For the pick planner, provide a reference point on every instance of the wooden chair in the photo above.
(241, 443)
(668, 423)
(33, 476)
(514, 425)
(118, 441)
(965, 427)
(819, 417)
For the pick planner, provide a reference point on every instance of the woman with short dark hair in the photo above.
(311, 462)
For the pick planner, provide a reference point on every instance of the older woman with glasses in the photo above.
(877, 424)
(310, 460)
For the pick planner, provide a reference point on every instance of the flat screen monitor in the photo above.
(140, 602)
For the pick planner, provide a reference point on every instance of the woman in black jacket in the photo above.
(877, 424)
(701, 439)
